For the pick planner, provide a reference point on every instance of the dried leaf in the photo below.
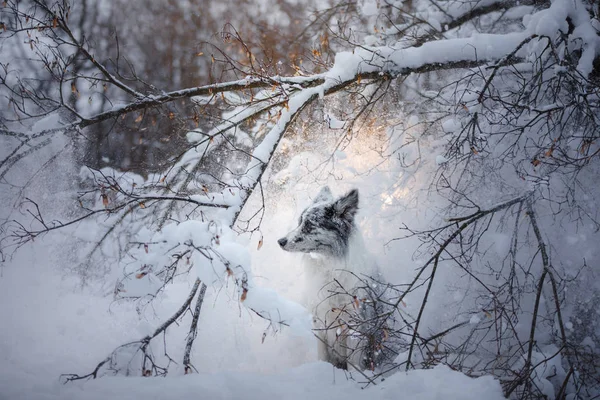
(474, 150)
(142, 204)
(535, 162)
(355, 302)
(287, 106)
(104, 199)
(139, 118)
(549, 152)
(358, 79)
(55, 22)
(171, 115)
(244, 294)
(324, 40)
(162, 180)
(260, 244)
(199, 54)
(141, 275)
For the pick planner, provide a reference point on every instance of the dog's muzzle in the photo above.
(282, 242)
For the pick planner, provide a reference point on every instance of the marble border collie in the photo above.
(335, 259)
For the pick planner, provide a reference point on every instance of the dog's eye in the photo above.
(307, 227)
(298, 239)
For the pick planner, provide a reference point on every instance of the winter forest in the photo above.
(292, 199)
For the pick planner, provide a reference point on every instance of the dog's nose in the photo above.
(282, 242)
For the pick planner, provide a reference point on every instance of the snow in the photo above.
(314, 381)
(451, 125)
(369, 8)
(440, 159)
(67, 331)
(194, 136)
(55, 328)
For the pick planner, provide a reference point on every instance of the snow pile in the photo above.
(216, 258)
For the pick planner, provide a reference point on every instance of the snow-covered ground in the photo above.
(50, 326)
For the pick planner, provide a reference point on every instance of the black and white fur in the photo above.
(336, 260)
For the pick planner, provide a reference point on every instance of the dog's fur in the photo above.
(335, 259)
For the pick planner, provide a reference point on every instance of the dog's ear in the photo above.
(347, 205)
(324, 195)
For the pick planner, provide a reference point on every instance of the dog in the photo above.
(347, 310)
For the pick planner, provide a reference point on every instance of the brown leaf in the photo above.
(199, 54)
(142, 204)
(139, 118)
(55, 22)
(355, 302)
(535, 162)
(244, 294)
(141, 275)
(104, 199)
(549, 152)
(171, 115)
(324, 40)
(474, 150)
(260, 244)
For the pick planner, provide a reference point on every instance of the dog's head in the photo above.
(325, 226)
